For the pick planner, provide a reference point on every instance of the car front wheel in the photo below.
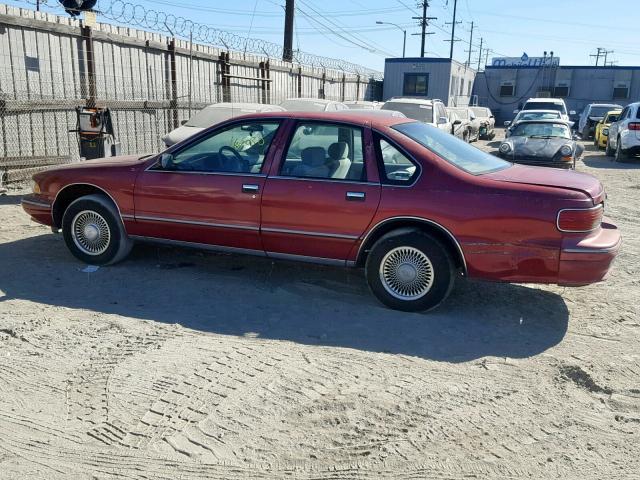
(93, 231)
(410, 270)
(621, 155)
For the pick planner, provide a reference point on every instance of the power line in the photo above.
(424, 23)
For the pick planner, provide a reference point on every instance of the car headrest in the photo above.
(338, 150)
(313, 156)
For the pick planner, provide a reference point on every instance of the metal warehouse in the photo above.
(448, 80)
(504, 88)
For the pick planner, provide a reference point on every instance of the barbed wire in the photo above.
(137, 15)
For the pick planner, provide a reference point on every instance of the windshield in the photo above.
(480, 112)
(455, 151)
(303, 106)
(537, 116)
(544, 106)
(422, 113)
(541, 130)
(612, 118)
(600, 111)
(211, 115)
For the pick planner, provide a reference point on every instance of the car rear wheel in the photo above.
(93, 231)
(410, 270)
(621, 155)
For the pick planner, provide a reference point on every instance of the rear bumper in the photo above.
(38, 208)
(588, 260)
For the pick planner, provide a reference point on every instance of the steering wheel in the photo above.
(243, 163)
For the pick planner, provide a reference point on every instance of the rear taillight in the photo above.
(634, 126)
(580, 219)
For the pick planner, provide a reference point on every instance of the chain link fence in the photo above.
(50, 65)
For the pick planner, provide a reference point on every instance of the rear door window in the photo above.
(396, 167)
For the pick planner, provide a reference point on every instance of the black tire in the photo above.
(413, 242)
(585, 133)
(465, 137)
(608, 150)
(106, 220)
(596, 143)
(620, 155)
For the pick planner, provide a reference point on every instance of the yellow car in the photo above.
(602, 128)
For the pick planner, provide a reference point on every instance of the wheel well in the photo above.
(69, 194)
(422, 225)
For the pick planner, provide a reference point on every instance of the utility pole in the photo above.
(598, 55)
(606, 53)
(424, 23)
(486, 58)
(453, 29)
(470, 44)
(287, 50)
(480, 54)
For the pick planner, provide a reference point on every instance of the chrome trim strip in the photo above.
(588, 250)
(311, 234)
(90, 185)
(128, 217)
(600, 205)
(305, 258)
(194, 222)
(204, 246)
(425, 220)
(223, 174)
(327, 180)
(35, 203)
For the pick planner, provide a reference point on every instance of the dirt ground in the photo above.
(178, 364)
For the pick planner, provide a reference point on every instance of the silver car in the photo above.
(312, 105)
(212, 114)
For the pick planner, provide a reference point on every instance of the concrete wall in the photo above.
(588, 84)
(443, 74)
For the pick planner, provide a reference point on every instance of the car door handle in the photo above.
(250, 188)
(356, 196)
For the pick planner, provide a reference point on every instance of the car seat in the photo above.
(339, 163)
(314, 163)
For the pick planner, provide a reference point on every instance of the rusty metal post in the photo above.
(173, 102)
(299, 82)
(324, 81)
(344, 85)
(91, 67)
(225, 80)
(263, 84)
(358, 87)
(267, 71)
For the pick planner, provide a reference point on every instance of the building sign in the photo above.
(525, 61)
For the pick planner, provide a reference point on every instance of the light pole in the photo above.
(404, 32)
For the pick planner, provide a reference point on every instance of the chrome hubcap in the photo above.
(90, 232)
(406, 273)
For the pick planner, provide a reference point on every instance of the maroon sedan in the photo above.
(412, 205)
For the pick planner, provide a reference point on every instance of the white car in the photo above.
(212, 114)
(487, 122)
(547, 104)
(362, 105)
(469, 119)
(312, 105)
(432, 112)
(623, 139)
(531, 115)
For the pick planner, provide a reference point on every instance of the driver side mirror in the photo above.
(166, 161)
(183, 122)
(442, 120)
(457, 122)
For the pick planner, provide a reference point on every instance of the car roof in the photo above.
(526, 112)
(354, 117)
(253, 106)
(545, 120)
(552, 100)
(306, 99)
(420, 101)
(604, 105)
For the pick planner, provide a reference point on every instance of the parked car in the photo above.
(432, 112)
(548, 104)
(460, 126)
(546, 143)
(415, 210)
(624, 135)
(487, 122)
(591, 116)
(362, 105)
(602, 128)
(469, 118)
(212, 114)
(312, 105)
(530, 115)
(390, 113)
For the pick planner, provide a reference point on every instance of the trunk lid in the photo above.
(547, 177)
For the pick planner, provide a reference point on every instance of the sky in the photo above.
(347, 29)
